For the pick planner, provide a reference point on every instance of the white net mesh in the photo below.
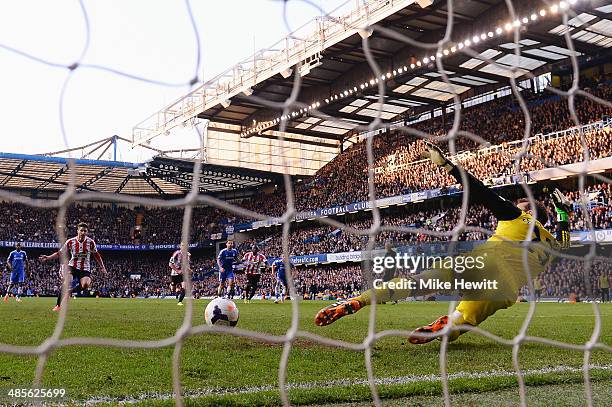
(440, 49)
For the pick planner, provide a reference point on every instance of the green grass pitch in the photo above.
(240, 371)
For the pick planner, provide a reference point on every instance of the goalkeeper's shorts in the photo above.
(474, 312)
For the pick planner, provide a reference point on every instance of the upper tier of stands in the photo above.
(344, 179)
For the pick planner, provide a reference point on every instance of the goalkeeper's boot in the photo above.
(337, 310)
(56, 308)
(417, 336)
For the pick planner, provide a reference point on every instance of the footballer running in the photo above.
(80, 249)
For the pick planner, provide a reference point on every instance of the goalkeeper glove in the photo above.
(436, 156)
(561, 202)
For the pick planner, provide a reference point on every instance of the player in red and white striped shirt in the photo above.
(253, 262)
(79, 250)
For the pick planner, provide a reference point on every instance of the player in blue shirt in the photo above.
(226, 260)
(17, 264)
(280, 289)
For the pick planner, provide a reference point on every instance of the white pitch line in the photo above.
(341, 383)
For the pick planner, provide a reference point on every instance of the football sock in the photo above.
(181, 295)
(219, 291)
(456, 318)
(74, 290)
(231, 292)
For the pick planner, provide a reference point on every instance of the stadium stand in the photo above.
(110, 224)
(113, 225)
(311, 238)
(344, 180)
(323, 281)
(566, 277)
(118, 224)
(398, 170)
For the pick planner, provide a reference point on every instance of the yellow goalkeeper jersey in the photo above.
(506, 244)
(517, 230)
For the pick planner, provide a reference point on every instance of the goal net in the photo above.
(429, 57)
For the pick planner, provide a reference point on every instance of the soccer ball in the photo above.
(221, 312)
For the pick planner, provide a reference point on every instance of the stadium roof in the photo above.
(332, 78)
(161, 176)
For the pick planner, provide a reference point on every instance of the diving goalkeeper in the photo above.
(505, 259)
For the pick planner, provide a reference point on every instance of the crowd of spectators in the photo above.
(20, 222)
(344, 179)
(566, 278)
(489, 165)
(305, 238)
(111, 224)
(314, 237)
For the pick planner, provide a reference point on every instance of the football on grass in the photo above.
(221, 312)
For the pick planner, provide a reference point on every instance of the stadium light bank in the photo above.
(502, 29)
